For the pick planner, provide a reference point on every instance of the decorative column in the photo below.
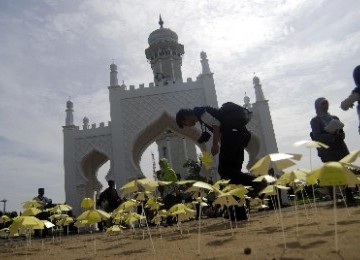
(69, 121)
(113, 75)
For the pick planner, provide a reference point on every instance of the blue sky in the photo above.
(53, 49)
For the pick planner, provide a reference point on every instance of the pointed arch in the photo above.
(90, 164)
(149, 135)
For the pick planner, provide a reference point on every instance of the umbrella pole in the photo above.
(232, 231)
(314, 198)
(302, 195)
(313, 189)
(342, 195)
(335, 221)
(281, 220)
(148, 229)
(275, 207)
(199, 225)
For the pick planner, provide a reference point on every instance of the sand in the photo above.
(312, 238)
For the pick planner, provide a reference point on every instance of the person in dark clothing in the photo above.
(333, 137)
(109, 198)
(355, 94)
(228, 141)
(233, 140)
(42, 199)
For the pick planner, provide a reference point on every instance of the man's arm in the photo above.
(216, 138)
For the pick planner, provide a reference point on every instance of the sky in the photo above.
(55, 49)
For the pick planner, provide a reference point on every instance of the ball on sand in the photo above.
(247, 250)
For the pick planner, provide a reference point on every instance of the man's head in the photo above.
(163, 162)
(111, 183)
(41, 191)
(321, 105)
(186, 117)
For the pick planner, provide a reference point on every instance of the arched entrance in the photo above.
(91, 163)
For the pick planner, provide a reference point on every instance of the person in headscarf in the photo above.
(355, 94)
(334, 139)
(167, 173)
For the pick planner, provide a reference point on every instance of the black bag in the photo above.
(234, 116)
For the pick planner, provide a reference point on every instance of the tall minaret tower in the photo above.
(113, 75)
(165, 55)
(265, 122)
(69, 121)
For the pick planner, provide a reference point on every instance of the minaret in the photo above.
(258, 90)
(247, 103)
(165, 55)
(113, 75)
(69, 121)
(204, 63)
(85, 123)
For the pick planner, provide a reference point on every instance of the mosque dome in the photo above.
(69, 104)
(86, 120)
(256, 80)
(162, 35)
(113, 67)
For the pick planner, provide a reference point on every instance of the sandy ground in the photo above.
(312, 238)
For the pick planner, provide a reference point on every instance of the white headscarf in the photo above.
(324, 115)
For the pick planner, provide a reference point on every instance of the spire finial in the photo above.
(161, 22)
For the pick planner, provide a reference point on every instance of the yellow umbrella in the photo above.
(271, 189)
(332, 173)
(226, 200)
(182, 211)
(219, 183)
(48, 224)
(93, 216)
(81, 223)
(87, 203)
(240, 191)
(65, 221)
(203, 185)
(4, 219)
(277, 161)
(4, 233)
(291, 176)
(31, 204)
(127, 205)
(153, 204)
(351, 157)
(183, 182)
(148, 184)
(133, 217)
(25, 223)
(61, 208)
(268, 178)
(311, 144)
(143, 195)
(114, 229)
(31, 212)
(129, 187)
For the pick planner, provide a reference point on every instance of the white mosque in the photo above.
(143, 115)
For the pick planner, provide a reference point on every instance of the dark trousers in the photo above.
(231, 156)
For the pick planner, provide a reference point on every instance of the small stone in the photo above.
(247, 250)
